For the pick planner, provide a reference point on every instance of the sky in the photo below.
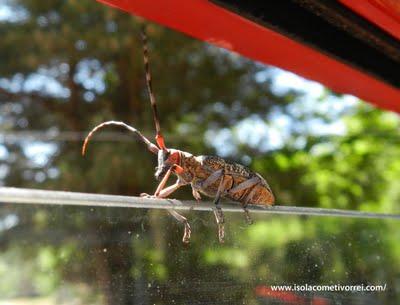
(8, 13)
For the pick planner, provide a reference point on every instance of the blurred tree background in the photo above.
(66, 66)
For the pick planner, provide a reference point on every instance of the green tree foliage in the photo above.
(66, 66)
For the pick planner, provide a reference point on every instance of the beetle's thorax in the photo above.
(189, 163)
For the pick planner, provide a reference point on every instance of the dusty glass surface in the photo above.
(75, 255)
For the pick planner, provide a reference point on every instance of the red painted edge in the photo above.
(213, 24)
(381, 13)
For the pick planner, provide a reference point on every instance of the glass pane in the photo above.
(92, 255)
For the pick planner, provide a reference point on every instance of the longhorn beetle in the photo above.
(208, 175)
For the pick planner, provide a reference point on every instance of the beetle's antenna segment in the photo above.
(159, 137)
(153, 148)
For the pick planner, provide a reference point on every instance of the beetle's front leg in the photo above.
(162, 192)
(187, 231)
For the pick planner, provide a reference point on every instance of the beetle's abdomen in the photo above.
(263, 196)
(260, 193)
(235, 174)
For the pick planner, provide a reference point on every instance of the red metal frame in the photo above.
(383, 13)
(213, 24)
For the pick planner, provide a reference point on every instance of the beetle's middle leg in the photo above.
(219, 215)
(162, 192)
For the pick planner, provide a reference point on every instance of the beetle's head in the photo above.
(166, 159)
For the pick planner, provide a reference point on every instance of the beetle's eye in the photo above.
(166, 156)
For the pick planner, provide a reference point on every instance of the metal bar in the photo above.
(9, 195)
(78, 136)
(64, 136)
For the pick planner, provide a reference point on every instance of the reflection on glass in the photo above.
(52, 255)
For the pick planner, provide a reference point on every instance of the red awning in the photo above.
(225, 28)
(383, 13)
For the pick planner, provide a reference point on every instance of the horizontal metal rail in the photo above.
(73, 136)
(9, 195)
(117, 136)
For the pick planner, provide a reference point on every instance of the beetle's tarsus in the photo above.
(196, 195)
(219, 217)
(145, 195)
(186, 234)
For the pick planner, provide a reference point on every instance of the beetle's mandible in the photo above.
(208, 175)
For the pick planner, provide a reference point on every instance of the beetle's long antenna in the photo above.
(159, 137)
(153, 148)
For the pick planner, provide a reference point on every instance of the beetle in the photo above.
(211, 176)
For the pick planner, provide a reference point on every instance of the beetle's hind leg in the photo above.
(249, 220)
(250, 184)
